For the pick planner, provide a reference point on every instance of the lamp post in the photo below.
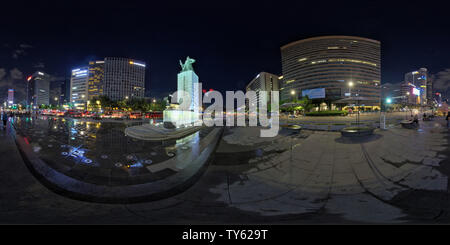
(293, 96)
(350, 85)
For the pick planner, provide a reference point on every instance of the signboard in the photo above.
(416, 91)
(317, 93)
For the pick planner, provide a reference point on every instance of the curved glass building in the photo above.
(331, 68)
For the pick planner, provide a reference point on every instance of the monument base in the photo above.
(180, 118)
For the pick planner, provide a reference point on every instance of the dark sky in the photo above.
(231, 40)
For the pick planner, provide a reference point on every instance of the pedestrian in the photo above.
(416, 119)
(448, 119)
(5, 119)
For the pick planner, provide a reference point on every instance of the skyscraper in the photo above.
(38, 90)
(96, 78)
(56, 93)
(123, 78)
(79, 87)
(332, 67)
(263, 82)
(419, 79)
(10, 97)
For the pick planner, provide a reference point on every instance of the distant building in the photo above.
(79, 87)
(123, 78)
(38, 90)
(117, 78)
(56, 93)
(437, 99)
(411, 94)
(10, 97)
(332, 68)
(263, 83)
(419, 79)
(96, 78)
(430, 91)
(392, 91)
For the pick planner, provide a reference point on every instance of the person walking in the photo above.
(448, 119)
(4, 119)
(416, 120)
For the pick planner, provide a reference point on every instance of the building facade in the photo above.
(56, 93)
(38, 90)
(123, 78)
(392, 91)
(79, 87)
(10, 97)
(96, 75)
(263, 83)
(341, 65)
(419, 80)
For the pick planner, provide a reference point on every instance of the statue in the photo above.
(187, 66)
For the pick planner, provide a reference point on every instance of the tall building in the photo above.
(419, 79)
(79, 87)
(38, 90)
(123, 78)
(263, 83)
(56, 93)
(10, 97)
(392, 91)
(96, 78)
(429, 91)
(408, 91)
(331, 68)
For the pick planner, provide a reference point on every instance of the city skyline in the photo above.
(222, 45)
(205, 114)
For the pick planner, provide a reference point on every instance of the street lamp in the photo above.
(350, 85)
(388, 100)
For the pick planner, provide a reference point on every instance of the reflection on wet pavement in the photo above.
(99, 152)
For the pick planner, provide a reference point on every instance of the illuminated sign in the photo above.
(29, 78)
(136, 63)
(316, 93)
(416, 91)
(79, 73)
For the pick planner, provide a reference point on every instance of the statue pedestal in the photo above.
(180, 118)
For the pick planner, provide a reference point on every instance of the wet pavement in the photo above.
(99, 152)
(396, 176)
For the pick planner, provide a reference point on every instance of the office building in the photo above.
(263, 83)
(10, 97)
(79, 87)
(393, 91)
(123, 78)
(117, 78)
(419, 79)
(38, 90)
(56, 93)
(96, 78)
(331, 68)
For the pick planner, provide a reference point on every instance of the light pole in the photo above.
(293, 96)
(350, 85)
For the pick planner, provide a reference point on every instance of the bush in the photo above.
(326, 113)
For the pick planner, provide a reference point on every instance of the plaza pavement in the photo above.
(396, 176)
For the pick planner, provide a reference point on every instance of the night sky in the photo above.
(231, 40)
